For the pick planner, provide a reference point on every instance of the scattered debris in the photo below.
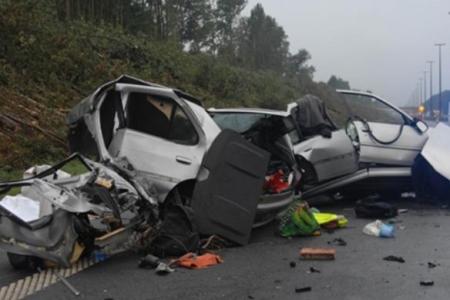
(149, 262)
(427, 283)
(379, 229)
(194, 261)
(163, 269)
(298, 220)
(317, 253)
(313, 270)
(371, 208)
(292, 264)
(330, 221)
(337, 242)
(432, 265)
(394, 258)
(303, 289)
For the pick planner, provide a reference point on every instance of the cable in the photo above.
(369, 130)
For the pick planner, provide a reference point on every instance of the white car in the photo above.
(373, 153)
(170, 140)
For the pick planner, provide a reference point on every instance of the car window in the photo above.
(239, 122)
(182, 131)
(161, 117)
(372, 109)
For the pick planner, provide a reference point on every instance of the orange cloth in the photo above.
(194, 261)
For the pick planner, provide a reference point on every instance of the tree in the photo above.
(338, 83)
(296, 65)
(263, 43)
(226, 16)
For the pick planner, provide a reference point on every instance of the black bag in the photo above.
(372, 209)
(177, 235)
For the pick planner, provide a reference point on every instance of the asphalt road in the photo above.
(261, 270)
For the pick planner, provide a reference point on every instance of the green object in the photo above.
(325, 218)
(298, 220)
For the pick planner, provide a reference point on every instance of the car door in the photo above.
(387, 136)
(228, 187)
(160, 137)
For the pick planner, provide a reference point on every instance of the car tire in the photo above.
(23, 262)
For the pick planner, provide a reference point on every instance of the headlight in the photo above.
(352, 133)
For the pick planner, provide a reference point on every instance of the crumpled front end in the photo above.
(61, 218)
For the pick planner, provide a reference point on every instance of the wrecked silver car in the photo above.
(164, 134)
(57, 218)
(373, 153)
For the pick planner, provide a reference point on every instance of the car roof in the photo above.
(247, 110)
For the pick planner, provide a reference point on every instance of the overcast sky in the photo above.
(377, 45)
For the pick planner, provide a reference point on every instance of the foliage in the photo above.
(54, 53)
(338, 83)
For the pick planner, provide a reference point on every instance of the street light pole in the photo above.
(431, 84)
(420, 91)
(439, 45)
(424, 87)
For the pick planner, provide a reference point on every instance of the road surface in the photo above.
(261, 270)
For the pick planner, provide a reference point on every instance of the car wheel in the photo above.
(21, 262)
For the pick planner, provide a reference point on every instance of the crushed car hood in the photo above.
(436, 149)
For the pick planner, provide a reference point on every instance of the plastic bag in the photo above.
(379, 229)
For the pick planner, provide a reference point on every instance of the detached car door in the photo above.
(387, 136)
(228, 187)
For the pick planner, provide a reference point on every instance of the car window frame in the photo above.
(126, 89)
(406, 119)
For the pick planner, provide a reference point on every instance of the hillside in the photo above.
(47, 65)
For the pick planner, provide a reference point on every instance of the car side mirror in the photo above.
(421, 125)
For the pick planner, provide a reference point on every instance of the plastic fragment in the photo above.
(394, 258)
(303, 289)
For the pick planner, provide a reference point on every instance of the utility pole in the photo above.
(431, 85)
(439, 45)
(420, 91)
(424, 87)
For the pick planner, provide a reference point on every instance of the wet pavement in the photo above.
(264, 269)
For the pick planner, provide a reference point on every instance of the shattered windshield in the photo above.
(239, 122)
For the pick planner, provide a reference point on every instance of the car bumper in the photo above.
(270, 205)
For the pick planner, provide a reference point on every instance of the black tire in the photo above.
(23, 262)
(17, 261)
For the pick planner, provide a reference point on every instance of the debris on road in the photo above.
(394, 258)
(317, 253)
(292, 264)
(432, 265)
(149, 262)
(194, 261)
(379, 229)
(372, 208)
(427, 283)
(313, 270)
(330, 221)
(337, 242)
(303, 289)
(298, 220)
(163, 269)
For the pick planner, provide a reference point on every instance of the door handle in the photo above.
(183, 160)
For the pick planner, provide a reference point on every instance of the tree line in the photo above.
(216, 27)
